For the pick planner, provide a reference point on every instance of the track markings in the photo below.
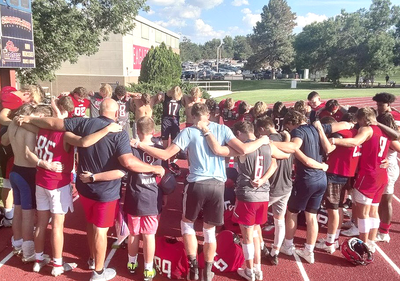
(395, 267)
(6, 259)
(301, 267)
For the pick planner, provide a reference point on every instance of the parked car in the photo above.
(188, 75)
(204, 75)
(248, 75)
(218, 76)
(264, 75)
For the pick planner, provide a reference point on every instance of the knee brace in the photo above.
(248, 251)
(187, 228)
(255, 233)
(209, 235)
(374, 222)
(364, 225)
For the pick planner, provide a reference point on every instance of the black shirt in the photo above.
(100, 157)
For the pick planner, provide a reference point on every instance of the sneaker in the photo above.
(39, 264)
(324, 240)
(258, 275)
(247, 274)
(352, 231)
(91, 264)
(29, 259)
(132, 267)
(382, 237)
(287, 250)
(210, 277)
(372, 246)
(264, 252)
(347, 224)
(308, 256)
(193, 270)
(57, 270)
(17, 251)
(108, 274)
(6, 222)
(323, 246)
(149, 274)
(273, 259)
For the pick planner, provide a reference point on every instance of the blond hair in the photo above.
(36, 92)
(195, 92)
(107, 89)
(175, 93)
(366, 113)
(259, 108)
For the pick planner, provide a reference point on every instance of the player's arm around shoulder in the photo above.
(364, 133)
(277, 153)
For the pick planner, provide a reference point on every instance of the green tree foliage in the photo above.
(161, 66)
(65, 30)
(396, 49)
(241, 47)
(189, 51)
(210, 49)
(272, 38)
(227, 48)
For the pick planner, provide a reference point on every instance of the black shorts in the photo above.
(207, 195)
(169, 127)
(307, 195)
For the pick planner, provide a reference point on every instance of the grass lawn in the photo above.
(271, 91)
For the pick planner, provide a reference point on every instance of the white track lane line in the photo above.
(6, 259)
(301, 267)
(396, 198)
(394, 266)
(10, 255)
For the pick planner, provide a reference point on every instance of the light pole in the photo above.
(218, 48)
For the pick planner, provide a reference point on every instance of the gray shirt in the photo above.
(281, 180)
(254, 165)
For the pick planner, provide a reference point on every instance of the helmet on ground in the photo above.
(168, 183)
(356, 251)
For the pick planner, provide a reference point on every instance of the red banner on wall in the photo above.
(139, 53)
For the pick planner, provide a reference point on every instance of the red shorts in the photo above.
(142, 225)
(101, 214)
(372, 186)
(10, 164)
(251, 213)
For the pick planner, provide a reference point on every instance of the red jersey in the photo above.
(50, 147)
(80, 107)
(230, 221)
(373, 151)
(396, 117)
(343, 161)
(229, 256)
(170, 258)
(229, 116)
(8, 99)
(338, 115)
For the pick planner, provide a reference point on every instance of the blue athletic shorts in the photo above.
(307, 195)
(23, 182)
(169, 127)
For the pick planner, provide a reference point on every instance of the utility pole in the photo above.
(218, 50)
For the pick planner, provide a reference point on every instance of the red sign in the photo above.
(139, 53)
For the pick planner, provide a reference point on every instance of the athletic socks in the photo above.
(257, 267)
(337, 234)
(58, 262)
(262, 245)
(16, 243)
(288, 242)
(274, 252)
(39, 256)
(9, 213)
(148, 266)
(384, 227)
(132, 259)
(309, 247)
(330, 239)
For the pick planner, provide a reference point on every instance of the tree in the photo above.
(241, 47)
(396, 49)
(210, 49)
(65, 30)
(272, 38)
(161, 66)
(189, 51)
(227, 48)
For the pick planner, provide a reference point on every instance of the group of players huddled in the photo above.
(335, 152)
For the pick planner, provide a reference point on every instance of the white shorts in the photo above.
(58, 201)
(393, 175)
(7, 184)
(279, 204)
(361, 198)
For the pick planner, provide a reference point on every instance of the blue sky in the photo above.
(202, 20)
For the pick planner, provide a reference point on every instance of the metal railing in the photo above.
(212, 85)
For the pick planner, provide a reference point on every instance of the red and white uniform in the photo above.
(371, 179)
(80, 107)
(343, 161)
(50, 147)
(229, 116)
(338, 115)
(229, 256)
(170, 258)
(396, 117)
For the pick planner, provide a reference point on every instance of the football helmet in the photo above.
(356, 251)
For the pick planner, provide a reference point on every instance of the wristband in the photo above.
(333, 141)
(135, 145)
(38, 162)
(92, 178)
(206, 134)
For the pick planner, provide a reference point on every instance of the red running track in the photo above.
(327, 267)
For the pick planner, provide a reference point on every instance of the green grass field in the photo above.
(271, 91)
